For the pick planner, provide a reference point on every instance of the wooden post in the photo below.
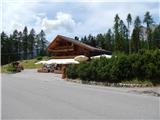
(63, 71)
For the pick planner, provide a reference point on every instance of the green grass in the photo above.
(30, 64)
(27, 64)
(137, 81)
(4, 69)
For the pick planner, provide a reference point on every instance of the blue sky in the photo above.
(72, 18)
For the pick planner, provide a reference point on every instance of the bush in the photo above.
(143, 65)
(71, 72)
(11, 68)
(39, 58)
(83, 71)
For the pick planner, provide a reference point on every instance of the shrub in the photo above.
(143, 65)
(83, 71)
(39, 58)
(71, 72)
(11, 68)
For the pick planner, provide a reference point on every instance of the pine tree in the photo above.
(84, 40)
(116, 33)
(108, 40)
(126, 40)
(25, 43)
(31, 41)
(156, 37)
(37, 44)
(148, 20)
(122, 34)
(91, 40)
(4, 40)
(4, 48)
(149, 37)
(135, 41)
(129, 22)
(100, 41)
(20, 48)
(15, 43)
(11, 53)
(42, 42)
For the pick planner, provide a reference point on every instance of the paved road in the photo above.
(31, 95)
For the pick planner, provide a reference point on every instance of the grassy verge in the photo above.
(139, 82)
(30, 64)
(127, 83)
(27, 64)
(6, 69)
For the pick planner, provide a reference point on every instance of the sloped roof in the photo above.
(76, 42)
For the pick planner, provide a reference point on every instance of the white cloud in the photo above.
(63, 20)
(75, 19)
(100, 16)
(18, 14)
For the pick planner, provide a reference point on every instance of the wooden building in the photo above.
(65, 47)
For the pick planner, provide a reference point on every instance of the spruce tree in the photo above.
(148, 20)
(25, 43)
(135, 42)
(156, 37)
(31, 41)
(100, 40)
(20, 48)
(129, 22)
(91, 40)
(108, 40)
(84, 40)
(4, 48)
(116, 33)
(15, 47)
(42, 42)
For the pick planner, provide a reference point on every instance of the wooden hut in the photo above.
(65, 47)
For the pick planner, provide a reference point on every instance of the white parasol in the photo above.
(81, 58)
(104, 55)
(62, 61)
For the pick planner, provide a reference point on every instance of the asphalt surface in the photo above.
(32, 95)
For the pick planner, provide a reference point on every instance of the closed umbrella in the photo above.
(81, 58)
(99, 56)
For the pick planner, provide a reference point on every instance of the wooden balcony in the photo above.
(62, 50)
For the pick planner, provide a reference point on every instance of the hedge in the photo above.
(145, 65)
